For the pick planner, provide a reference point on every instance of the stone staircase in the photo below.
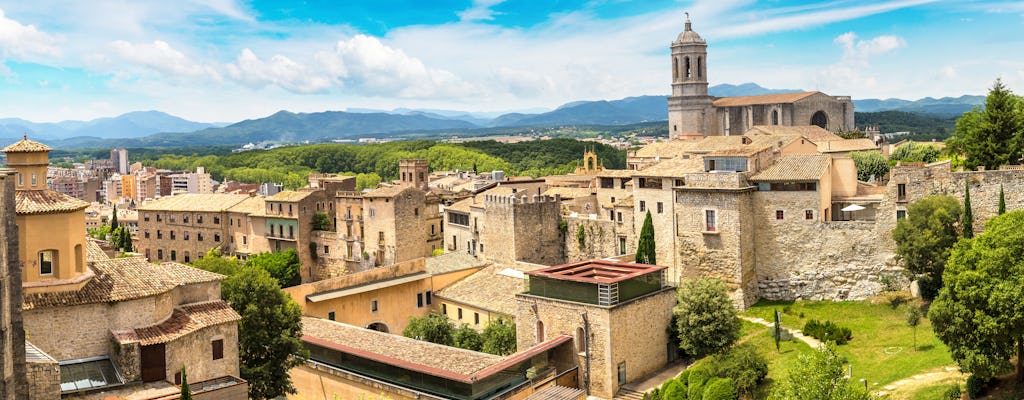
(627, 394)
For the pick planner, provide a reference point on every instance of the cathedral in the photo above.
(692, 113)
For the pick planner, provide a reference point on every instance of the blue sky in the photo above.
(226, 60)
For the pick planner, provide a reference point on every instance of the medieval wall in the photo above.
(12, 334)
(195, 352)
(530, 223)
(600, 238)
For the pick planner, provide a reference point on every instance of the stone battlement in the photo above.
(513, 199)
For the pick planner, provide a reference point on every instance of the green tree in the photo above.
(499, 337)
(979, 313)
(991, 136)
(269, 333)
(433, 327)
(283, 266)
(125, 244)
(113, 219)
(186, 393)
(968, 215)
(870, 164)
(321, 222)
(707, 319)
(743, 365)
(1002, 201)
(213, 262)
(916, 152)
(468, 338)
(924, 239)
(818, 375)
(913, 315)
(852, 134)
(645, 251)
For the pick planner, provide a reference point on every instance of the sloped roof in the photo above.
(795, 168)
(741, 146)
(762, 99)
(93, 252)
(183, 321)
(813, 133)
(213, 202)
(121, 279)
(839, 146)
(488, 289)
(26, 146)
(387, 191)
(451, 262)
(666, 149)
(290, 195)
(252, 205)
(569, 192)
(673, 167)
(615, 173)
(46, 202)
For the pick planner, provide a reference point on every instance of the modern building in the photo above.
(119, 158)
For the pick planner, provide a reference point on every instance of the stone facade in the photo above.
(44, 380)
(12, 334)
(195, 350)
(521, 228)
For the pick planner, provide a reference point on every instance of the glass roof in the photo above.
(79, 375)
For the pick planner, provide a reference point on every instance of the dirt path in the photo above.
(814, 343)
(931, 378)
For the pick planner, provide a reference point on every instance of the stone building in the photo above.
(692, 113)
(484, 296)
(183, 228)
(616, 313)
(13, 384)
(505, 225)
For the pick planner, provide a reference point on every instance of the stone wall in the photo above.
(44, 380)
(195, 352)
(600, 238)
(664, 229)
(520, 228)
(12, 334)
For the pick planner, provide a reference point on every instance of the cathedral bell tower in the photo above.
(690, 109)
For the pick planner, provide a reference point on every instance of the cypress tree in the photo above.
(968, 216)
(126, 240)
(645, 252)
(186, 393)
(113, 220)
(1002, 201)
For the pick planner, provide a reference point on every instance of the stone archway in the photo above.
(378, 326)
(820, 119)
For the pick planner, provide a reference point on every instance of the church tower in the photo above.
(690, 108)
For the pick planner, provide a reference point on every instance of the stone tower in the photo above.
(12, 331)
(690, 108)
(414, 172)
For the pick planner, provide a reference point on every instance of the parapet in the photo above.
(513, 199)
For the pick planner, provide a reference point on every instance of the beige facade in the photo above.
(183, 228)
(505, 225)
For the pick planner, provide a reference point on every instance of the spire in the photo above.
(24, 136)
(689, 25)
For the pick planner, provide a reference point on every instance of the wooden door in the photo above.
(153, 363)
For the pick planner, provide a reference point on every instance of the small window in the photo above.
(460, 313)
(373, 305)
(216, 237)
(184, 218)
(216, 220)
(661, 207)
(710, 221)
(779, 214)
(481, 247)
(618, 216)
(419, 300)
(430, 297)
(160, 254)
(161, 218)
(901, 192)
(145, 217)
(172, 235)
(199, 236)
(199, 219)
(581, 340)
(901, 214)
(21, 180)
(244, 240)
(218, 349)
(416, 211)
(184, 235)
(188, 258)
(46, 262)
(146, 234)
(476, 318)
(35, 178)
(808, 214)
(174, 255)
(643, 206)
(330, 315)
(622, 373)
(444, 308)
(540, 331)
(159, 234)
(327, 249)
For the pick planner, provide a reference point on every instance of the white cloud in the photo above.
(803, 20)
(161, 57)
(480, 11)
(279, 70)
(20, 40)
(854, 67)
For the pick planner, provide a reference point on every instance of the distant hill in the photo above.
(745, 89)
(946, 106)
(630, 110)
(131, 125)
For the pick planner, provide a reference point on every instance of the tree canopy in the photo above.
(706, 318)
(818, 375)
(916, 152)
(269, 333)
(645, 250)
(992, 135)
(433, 327)
(282, 265)
(870, 164)
(979, 313)
(499, 337)
(924, 239)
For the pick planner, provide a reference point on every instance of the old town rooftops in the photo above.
(26, 146)
(46, 202)
(184, 320)
(194, 202)
(491, 289)
(795, 168)
(595, 271)
(763, 99)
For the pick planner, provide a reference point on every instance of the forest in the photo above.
(291, 165)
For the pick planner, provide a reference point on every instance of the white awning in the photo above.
(852, 207)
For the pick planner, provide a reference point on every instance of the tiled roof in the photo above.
(839, 146)
(214, 202)
(252, 205)
(795, 168)
(93, 252)
(386, 191)
(445, 358)
(735, 146)
(569, 192)
(673, 167)
(671, 148)
(488, 289)
(46, 202)
(461, 205)
(290, 195)
(121, 279)
(813, 133)
(762, 99)
(451, 262)
(26, 146)
(615, 173)
(183, 321)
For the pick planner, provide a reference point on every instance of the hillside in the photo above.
(921, 126)
(131, 125)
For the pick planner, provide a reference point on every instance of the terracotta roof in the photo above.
(555, 392)
(615, 173)
(461, 205)
(762, 99)
(386, 191)
(93, 251)
(451, 262)
(839, 146)
(121, 279)
(214, 202)
(795, 168)
(569, 192)
(46, 202)
(624, 202)
(252, 205)
(490, 289)
(596, 271)
(183, 321)
(290, 195)
(813, 133)
(671, 148)
(26, 146)
(735, 146)
(674, 167)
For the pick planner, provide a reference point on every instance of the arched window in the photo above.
(686, 66)
(581, 340)
(775, 117)
(700, 67)
(79, 259)
(725, 123)
(820, 119)
(675, 69)
(540, 331)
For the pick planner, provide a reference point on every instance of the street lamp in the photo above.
(865, 383)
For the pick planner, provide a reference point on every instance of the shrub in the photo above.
(695, 383)
(674, 390)
(896, 299)
(742, 365)
(976, 386)
(654, 394)
(953, 393)
(720, 389)
(684, 377)
(828, 331)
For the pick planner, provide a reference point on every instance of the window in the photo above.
(160, 254)
(373, 306)
(444, 308)
(199, 218)
(330, 315)
(46, 262)
(21, 180)
(216, 220)
(244, 240)
(231, 221)
(172, 235)
(146, 234)
(419, 300)
(430, 297)
(458, 219)
(170, 217)
(680, 182)
(622, 373)
(901, 192)
(371, 213)
(622, 245)
(216, 237)
(147, 254)
(901, 214)
(35, 178)
(327, 249)
(476, 318)
(159, 234)
(184, 218)
(160, 217)
(433, 230)
(416, 211)
(199, 236)
(643, 206)
(145, 217)
(611, 215)
(710, 221)
(481, 247)
(735, 164)
(779, 214)
(218, 349)
(661, 208)
(618, 216)
(581, 340)
(540, 331)
(291, 232)
(188, 258)
(808, 214)
(174, 255)
(460, 313)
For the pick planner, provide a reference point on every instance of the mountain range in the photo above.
(155, 128)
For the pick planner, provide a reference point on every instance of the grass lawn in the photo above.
(882, 347)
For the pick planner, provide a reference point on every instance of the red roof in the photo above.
(596, 271)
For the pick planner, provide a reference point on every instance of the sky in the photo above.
(228, 60)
